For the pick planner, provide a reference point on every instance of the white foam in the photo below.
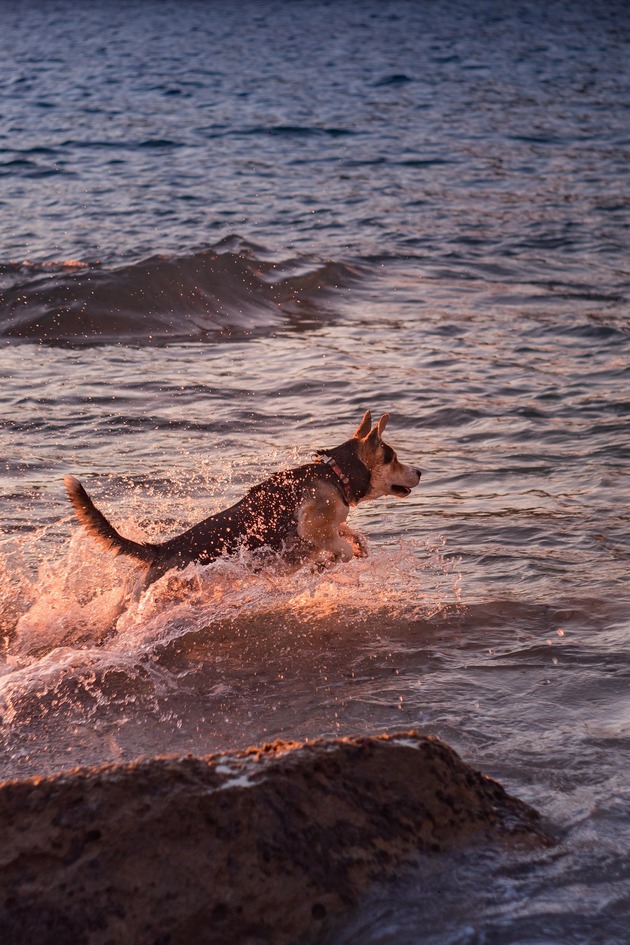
(237, 779)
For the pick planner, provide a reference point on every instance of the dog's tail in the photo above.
(98, 526)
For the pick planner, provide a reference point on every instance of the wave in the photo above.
(398, 78)
(230, 290)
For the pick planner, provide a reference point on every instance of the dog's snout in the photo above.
(418, 473)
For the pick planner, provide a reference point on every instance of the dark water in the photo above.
(229, 229)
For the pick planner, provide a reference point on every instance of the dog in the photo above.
(300, 514)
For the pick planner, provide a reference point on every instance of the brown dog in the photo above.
(300, 513)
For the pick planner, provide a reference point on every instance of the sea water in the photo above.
(227, 231)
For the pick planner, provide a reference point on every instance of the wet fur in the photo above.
(299, 513)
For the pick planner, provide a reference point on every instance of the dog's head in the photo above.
(369, 466)
(388, 476)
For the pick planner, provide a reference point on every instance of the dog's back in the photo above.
(267, 516)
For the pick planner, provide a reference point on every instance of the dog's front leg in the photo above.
(319, 520)
(357, 540)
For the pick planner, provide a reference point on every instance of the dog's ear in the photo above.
(374, 437)
(364, 427)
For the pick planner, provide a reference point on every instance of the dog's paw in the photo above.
(359, 546)
(323, 564)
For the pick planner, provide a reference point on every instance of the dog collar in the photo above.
(339, 473)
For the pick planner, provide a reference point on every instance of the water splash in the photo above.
(85, 614)
(407, 579)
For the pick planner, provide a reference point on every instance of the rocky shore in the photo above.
(258, 846)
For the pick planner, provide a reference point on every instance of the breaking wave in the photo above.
(232, 290)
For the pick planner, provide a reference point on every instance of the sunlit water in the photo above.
(228, 230)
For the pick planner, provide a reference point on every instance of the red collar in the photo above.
(344, 480)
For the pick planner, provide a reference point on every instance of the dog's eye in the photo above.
(388, 454)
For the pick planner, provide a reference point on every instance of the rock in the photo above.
(248, 847)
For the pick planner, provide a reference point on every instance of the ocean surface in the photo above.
(228, 229)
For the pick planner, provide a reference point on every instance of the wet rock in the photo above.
(248, 847)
